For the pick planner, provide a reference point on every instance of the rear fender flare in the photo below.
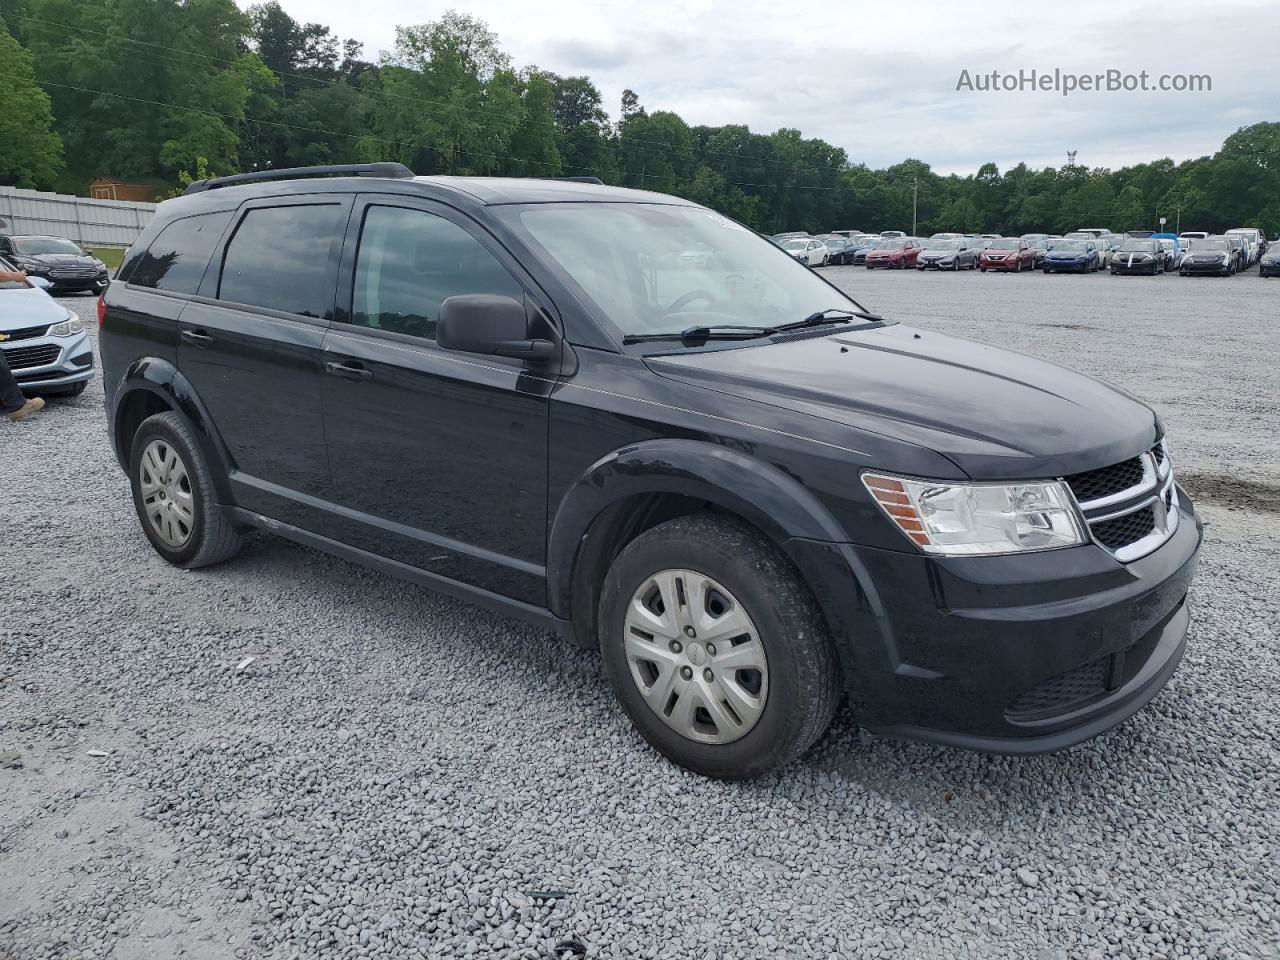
(161, 378)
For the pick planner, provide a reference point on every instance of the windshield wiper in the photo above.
(830, 315)
(701, 334)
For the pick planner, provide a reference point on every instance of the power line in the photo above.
(182, 54)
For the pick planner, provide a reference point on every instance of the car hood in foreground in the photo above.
(28, 307)
(996, 414)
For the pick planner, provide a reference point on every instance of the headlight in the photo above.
(968, 519)
(67, 328)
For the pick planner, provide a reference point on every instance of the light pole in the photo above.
(915, 199)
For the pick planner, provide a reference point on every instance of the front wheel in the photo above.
(716, 649)
(174, 497)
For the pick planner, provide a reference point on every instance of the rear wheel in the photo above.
(174, 497)
(716, 649)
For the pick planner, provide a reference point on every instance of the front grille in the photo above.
(1105, 481)
(1123, 530)
(20, 358)
(73, 273)
(26, 333)
(1057, 693)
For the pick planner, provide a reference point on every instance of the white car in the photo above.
(810, 252)
(45, 345)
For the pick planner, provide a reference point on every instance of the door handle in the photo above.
(197, 338)
(347, 371)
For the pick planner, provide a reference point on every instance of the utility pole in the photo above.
(915, 199)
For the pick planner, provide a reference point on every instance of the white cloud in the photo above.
(878, 78)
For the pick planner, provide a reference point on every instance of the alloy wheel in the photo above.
(695, 656)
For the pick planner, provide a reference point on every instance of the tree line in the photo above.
(161, 90)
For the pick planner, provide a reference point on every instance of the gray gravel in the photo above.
(400, 775)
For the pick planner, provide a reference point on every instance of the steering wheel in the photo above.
(682, 302)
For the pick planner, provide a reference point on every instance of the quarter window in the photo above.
(279, 259)
(410, 261)
(177, 258)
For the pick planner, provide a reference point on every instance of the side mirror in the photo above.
(490, 325)
(39, 282)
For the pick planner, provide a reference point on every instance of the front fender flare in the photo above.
(758, 492)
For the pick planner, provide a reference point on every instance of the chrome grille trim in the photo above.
(1157, 492)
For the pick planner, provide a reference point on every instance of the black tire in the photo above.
(212, 538)
(804, 679)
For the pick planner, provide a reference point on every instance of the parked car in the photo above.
(479, 386)
(45, 345)
(1041, 248)
(810, 252)
(67, 267)
(838, 249)
(1192, 235)
(1214, 255)
(1254, 238)
(789, 236)
(1239, 249)
(1035, 237)
(1171, 247)
(1138, 256)
(847, 234)
(861, 247)
(1072, 256)
(951, 254)
(1269, 264)
(1107, 245)
(1095, 232)
(893, 253)
(1008, 253)
(947, 236)
(890, 234)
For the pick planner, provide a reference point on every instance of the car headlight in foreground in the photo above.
(968, 519)
(67, 328)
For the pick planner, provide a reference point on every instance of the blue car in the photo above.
(1072, 256)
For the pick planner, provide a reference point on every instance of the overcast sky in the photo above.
(879, 79)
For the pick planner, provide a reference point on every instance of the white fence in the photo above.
(99, 223)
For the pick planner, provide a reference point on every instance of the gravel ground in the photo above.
(397, 774)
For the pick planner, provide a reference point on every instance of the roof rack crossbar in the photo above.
(396, 171)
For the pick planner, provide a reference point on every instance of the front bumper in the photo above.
(1216, 267)
(1069, 266)
(1000, 264)
(49, 363)
(1269, 269)
(1137, 267)
(1018, 654)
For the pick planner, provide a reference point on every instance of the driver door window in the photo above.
(410, 261)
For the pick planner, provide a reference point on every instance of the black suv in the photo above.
(625, 417)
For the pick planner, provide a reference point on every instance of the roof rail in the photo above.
(580, 180)
(396, 171)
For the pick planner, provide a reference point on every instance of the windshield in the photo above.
(944, 244)
(1138, 246)
(1204, 245)
(1071, 245)
(37, 245)
(1003, 245)
(795, 245)
(625, 260)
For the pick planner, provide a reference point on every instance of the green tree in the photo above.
(1128, 212)
(30, 152)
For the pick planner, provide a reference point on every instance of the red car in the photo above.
(1008, 253)
(895, 253)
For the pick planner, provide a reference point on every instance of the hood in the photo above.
(28, 307)
(1067, 254)
(58, 259)
(996, 414)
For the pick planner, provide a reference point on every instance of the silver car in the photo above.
(44, 343)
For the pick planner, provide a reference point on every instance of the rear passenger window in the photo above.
(409, 262)
(279, 259)
(177, 257)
